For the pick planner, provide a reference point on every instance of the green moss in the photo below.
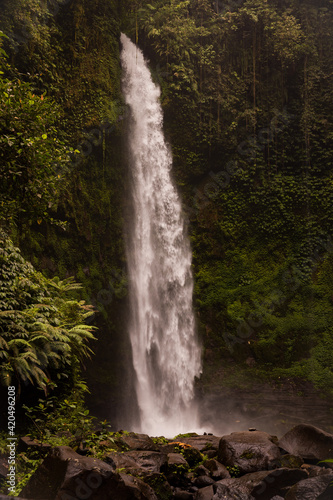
(159, 484)
(247, 454)
(189, 434)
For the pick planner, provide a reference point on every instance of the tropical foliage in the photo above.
(43, 335)
(247, 93)
(247, 96)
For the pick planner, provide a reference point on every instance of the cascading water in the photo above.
(166, 353)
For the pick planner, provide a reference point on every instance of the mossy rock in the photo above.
(159, 484)
(291, 461)
(192, 456)
(247, 455)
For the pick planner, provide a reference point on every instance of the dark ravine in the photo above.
(247, 465)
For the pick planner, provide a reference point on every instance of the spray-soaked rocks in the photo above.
(249, 451)
(246, 466)
(308, 442)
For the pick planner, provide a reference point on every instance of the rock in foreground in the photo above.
(249, 466)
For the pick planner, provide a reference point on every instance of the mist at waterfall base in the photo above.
(166, 352)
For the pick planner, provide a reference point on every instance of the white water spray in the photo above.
(166, 353)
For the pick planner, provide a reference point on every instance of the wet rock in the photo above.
(121, 461)
(175, 460)
(327, 494)
(26, 443)
(316, 470)
(202, 481)
(291, 461)
(172, 447)
(263, 485)
(309, 489)
(130, 487)
(216, 469)
(250, 451)
(201, 471)
(139, 442)
(176, 470)
(182, 494)
(309, 442)
(148, 460)
(66, 472)
(224, 492)
(158, 483)
(203, 443)
(191, 454)
(204, 493)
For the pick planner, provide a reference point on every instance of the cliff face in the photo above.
(245, 93)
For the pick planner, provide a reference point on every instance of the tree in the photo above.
(33, 157)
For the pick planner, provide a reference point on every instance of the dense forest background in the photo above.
(247, 93)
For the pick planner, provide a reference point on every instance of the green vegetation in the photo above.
(188, 434)
(42, 332)
(247, 99)
(61, 121)
(234, 471)
(247, 454)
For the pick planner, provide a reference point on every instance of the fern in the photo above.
(41, 323)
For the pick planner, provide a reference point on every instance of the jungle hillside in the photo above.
(247, 95)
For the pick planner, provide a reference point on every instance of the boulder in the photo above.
(203, 443)
(217, 470)
(316, 470)
(131, 488)
(201, 471)
(148, 460)
(308, 442)
(309, 489)
(176, 469)
(224, 492)
(138, 442)
(175, 460)
(327, 494)
(250, 451)
(66, 471)
(291, 461)
(66, 475)
(158, 483)
(26, 442)
(204, 493)
(263, 485)
(121, 461)
(191, 454)
(202, 481)
(182, 494)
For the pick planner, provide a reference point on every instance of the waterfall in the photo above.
(166, 353)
